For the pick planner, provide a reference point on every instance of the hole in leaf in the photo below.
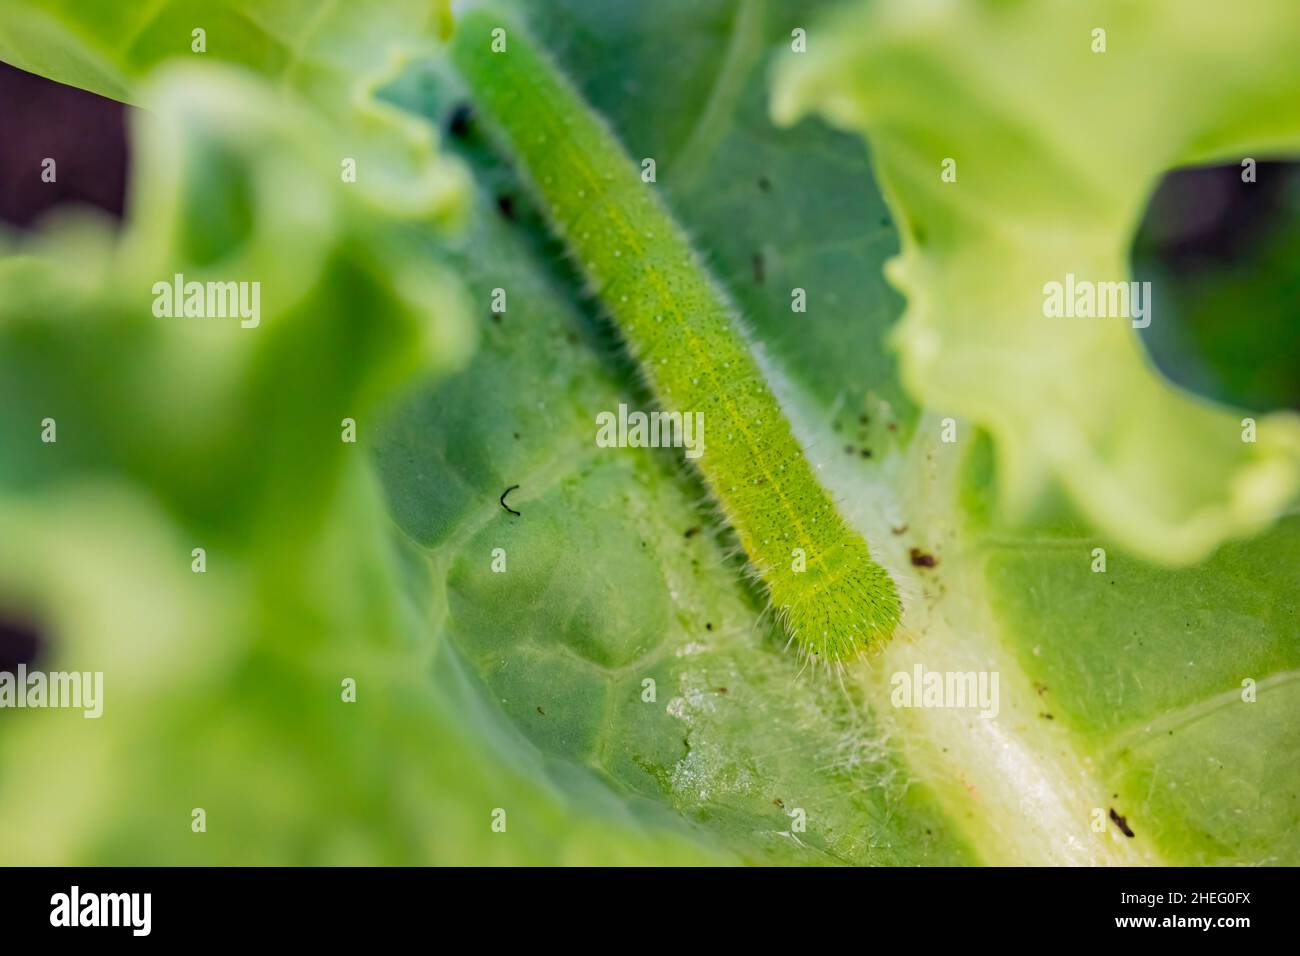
(1223, 258)
(21, 642)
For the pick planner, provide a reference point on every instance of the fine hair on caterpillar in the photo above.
(831, 597)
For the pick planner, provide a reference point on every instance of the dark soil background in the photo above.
(83, 133)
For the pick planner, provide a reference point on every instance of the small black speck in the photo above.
(708, 627)
(866, 453)
(542, 712)
(691, 532)
(506, 206)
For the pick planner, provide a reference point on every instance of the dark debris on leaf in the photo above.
(922, 559)
(1122, 823)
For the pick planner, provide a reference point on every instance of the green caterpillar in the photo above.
(832, 598)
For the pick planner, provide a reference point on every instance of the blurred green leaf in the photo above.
(1051, 181)
(223, 690)
(336, 56)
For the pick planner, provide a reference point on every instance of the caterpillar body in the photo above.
(830, 596)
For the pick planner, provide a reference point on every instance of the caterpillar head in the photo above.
(840, 606)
